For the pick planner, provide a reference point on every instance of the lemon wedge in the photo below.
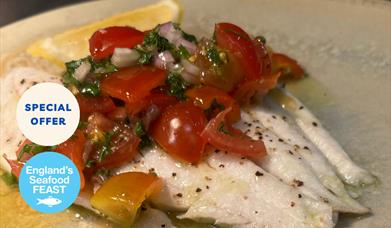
(73, 44)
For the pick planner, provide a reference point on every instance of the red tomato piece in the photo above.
(204, 96)
(104, 41)
(221, 135)
(178, 131)
(16, 166)
(132, 84)
(288, 66)
(73, 148)
(262, 86)
(236, 41)
(88, 104)
(263, 57)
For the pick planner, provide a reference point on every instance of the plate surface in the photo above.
(344, 45)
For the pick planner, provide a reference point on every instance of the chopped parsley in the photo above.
(222, 128)
(98, 67)
(177, 86)
(90, 88)
(105, 148)
(189, 37)
(154, 39)
(214, 56)
(145, 57)
(183, 52)
(142, 134)
(90, 163)
(34, 149)
(213, 106)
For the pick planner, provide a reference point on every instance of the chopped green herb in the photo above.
(145, 57)
(189, 37)
(213, 55)
(105, 148)
(213, 106)
(154, 39)
(142, 134)
(102, 66)
(183, 52)
(9, 179)
(90, 163)
(34, 149)
(68, 77)
(90, 88)
(177, 86)
(261, 39)
(223, 129)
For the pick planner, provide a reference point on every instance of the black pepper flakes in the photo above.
(179, 194)
(280, 140)
(314, 124)
(299, 196)
(274, 117)
(256, 212)
(207, 186)
(301, 107)
(306, 148)
(217, 151)
(221, 166)
(292, 204)
(163, 225)
(298, 183)
(290, 152)
(22, 81)
(198, 190)
(173, 174)
(258, 174)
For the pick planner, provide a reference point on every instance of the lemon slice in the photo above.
(73, 44)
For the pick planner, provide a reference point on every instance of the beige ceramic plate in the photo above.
(345, 46)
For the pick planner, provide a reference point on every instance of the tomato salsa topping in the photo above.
(164, 87)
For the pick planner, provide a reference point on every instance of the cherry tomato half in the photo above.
(178, 131)
(235, 40)
(206, 97)
(221, 135)
(88, 104)
(288, 66)
(132, 84)
(104, 41)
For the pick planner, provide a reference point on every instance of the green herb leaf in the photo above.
(154, 39)
(145, 57)
(223, 129)
(177, 86)
(213, 56)
(183, 52)
(102, 66)
(90, 163)
(34, 149)
(142, 134)
(90, 88)
(105, 148)
(189, 37)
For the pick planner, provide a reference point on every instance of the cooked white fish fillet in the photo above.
(350, 172)
(229, 190)
(284, 162)
(152, 218)
(272, 117)
(12, 85)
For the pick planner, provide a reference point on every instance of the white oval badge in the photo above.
(48, 114)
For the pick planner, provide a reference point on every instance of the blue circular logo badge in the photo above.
(49, 182)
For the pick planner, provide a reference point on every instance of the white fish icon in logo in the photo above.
(50, 201)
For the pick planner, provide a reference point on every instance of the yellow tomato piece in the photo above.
(121, 196)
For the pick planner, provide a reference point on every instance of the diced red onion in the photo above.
(162, 59)
(82, 71)
(166, 28)
(191, 47)
(124, 57)
(190, 67)
(190, 78)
